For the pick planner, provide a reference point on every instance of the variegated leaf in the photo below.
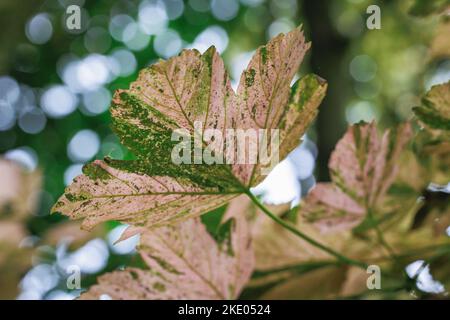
(363, 169)
(290, 268)
(280, 255)
(106, 193)
(185, 262)
(432, 144)
(153, 191)
(435, 109)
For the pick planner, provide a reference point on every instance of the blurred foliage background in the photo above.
(56, 86)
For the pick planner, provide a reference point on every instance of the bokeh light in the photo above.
(282, 25)
(9, 90)
(174, 8)
(90, 258)
(303, 160)
(83, 146)
(280, 186)
(58, 101)
(93, 71)
(25, 156)
(32, 120)
(361, 111)
(200, 5)
(440, 75)
(425, 281)
(126, 246)
(213, 35)
(56, 87)
(153, 17)
(124, 62)
(39, 29)
(7, 116)
(38, 281)
(168, 43)
(122, 27)
(224, 9)
(363, 68)
(97, 101)
(138, 41)
(71, 172)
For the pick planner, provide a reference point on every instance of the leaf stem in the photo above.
(379, 234)
(303, 236)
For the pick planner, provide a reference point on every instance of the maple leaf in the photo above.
(434, 111)
(287, 267)
(19, 192)
(185, 262)
(372, 177)
(280, 256)
(153, 191)
(432, 148)
(432, 144)
(363, 170)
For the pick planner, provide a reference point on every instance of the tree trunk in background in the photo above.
(13, 18)
(327, 53)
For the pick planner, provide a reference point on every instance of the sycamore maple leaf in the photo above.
(151, 190)
(434, 111)
(19, 192)
(287, 267)
(185, 262)
(432, 148)
(363, 168)
(432, 144)
(376, 183)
